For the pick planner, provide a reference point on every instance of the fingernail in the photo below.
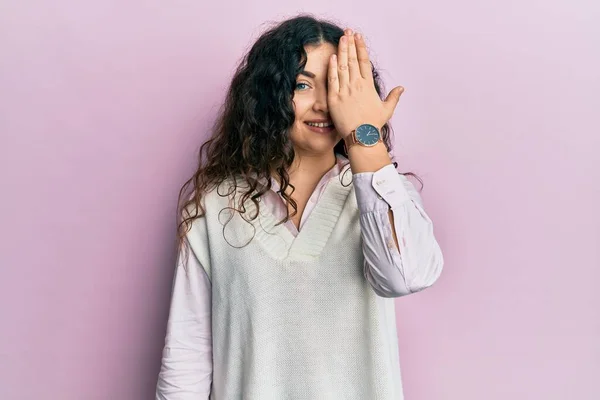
(358, 36)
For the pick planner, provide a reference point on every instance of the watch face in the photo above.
(367, 134)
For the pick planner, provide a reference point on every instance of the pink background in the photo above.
(104, 103)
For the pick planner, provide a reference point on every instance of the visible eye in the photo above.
(301, 83)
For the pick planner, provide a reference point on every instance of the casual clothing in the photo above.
(298, 314)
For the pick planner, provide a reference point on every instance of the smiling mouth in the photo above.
(320, 124)
(322, 128)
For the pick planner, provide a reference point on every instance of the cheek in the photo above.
(301, 106)
(297, 132)
(293, 135)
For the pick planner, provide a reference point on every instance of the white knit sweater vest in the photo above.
(293, 318)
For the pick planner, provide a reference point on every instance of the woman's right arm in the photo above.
(186, 370)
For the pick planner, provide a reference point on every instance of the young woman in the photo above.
(296, 232)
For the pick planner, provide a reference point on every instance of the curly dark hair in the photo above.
(250, 135)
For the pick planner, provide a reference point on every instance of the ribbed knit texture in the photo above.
(294, 317)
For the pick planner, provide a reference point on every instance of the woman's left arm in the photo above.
(389, 203)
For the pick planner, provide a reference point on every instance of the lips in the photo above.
(320, 121)
(318, 129)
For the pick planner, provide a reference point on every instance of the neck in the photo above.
(311, 167)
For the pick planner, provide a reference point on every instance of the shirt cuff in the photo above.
(380, 190)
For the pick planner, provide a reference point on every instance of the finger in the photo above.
(363, 58)
(342, 63)
(333, 82)
(353, 68)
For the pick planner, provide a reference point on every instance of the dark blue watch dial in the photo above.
(367, 134)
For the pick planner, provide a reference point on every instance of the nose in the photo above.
(320, 104)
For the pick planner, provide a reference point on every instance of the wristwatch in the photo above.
(365, 135)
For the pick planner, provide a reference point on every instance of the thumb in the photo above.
(392, 99)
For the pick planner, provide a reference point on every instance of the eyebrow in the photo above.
(308, 73)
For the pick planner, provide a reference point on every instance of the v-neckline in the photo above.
(310, 241)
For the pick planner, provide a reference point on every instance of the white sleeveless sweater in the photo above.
(293, 318)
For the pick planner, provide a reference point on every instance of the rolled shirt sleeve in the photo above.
(418, 262)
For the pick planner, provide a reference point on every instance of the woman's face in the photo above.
(310, 105)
